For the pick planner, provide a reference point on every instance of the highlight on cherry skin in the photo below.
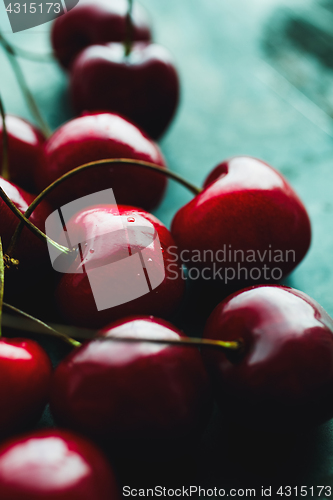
(249, 209)
(55, 464)
(123, 250)
(284, 376)
(96, 21)
(142, 86)
(141, 390)
(30, 251)
(25, 151)
(99, 136)
(25, 370)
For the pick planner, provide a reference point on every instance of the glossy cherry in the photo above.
(125, 266)
(25, 151)
(246, 207)
(28, 286)
(95, 21)
(137, 390)
(55, 464)
(284, 375)
(25, 372)
(142, 86)
(96, 137)
(30, 250)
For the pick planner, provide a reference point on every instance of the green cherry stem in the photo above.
(184, 342)
(2, 284)
(114, 161)
(26, 222)
(67, 332)
(88, 334)
(129, 29)
(30, 100)
(5, 160)
(33, 56)
(37, 326)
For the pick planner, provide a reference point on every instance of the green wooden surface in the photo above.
(234, 101)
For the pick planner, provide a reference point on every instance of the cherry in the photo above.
(125, 265)
(284, 376)
(29, 256)
(96, 137)
(247, 221)
(25, 151)
(30, 251)
(142, 86)
(25, 371)
(95, 21)
(113, 389)
(54, 464)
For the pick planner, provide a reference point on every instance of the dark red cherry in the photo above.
(247, 222)
(25, 151)
(143, 86)
(95, 21)
(32, 283)
(55, 464)
(96, 137)
(126, 264)
(284, 375)
(139, 390)
(25, 371)
(30, 250)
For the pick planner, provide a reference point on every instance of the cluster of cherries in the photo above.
(136, 79)
(267, 351)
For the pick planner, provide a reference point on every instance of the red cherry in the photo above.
(110, 389)
(284, 375)
(25, 371)
(246, 211)
(97, 137)
(28, 286)
(130, 267)
(54, 464)
(33, 282)
(30, 250)
(143, 86)
(25, 151)
(95, 21)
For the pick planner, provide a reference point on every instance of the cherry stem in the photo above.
(30, 100)
(86, 334)
(33, 56)
(129, 29)
(26, 222)
(184, 341)
(150, 166)
(5, 162)
(2, 284)
(44, 328)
